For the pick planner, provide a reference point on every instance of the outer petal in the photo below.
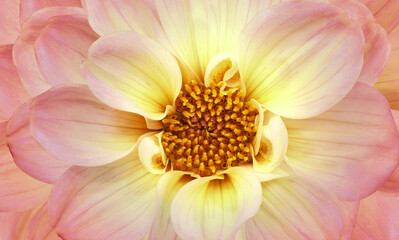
(378, 218)
(18, 191)
(28, 7)
(13, 224)
(169, 184)
(214, 207)
(388, 83)
(28, 154)
(392, 184)
(39, 227)
(12, 92)
(300, 58)
(294, 209)
(136, 75)
(351, 149)
(385, 11)
(9, 24)
(197, 30)
(116, 201)
(46, 55)
(107, 16)
(84, 131)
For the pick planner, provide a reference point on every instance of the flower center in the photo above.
(210, 130)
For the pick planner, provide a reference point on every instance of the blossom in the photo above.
(200, 119)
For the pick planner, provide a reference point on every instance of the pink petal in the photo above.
(388, 83)
(83, 131)
(28, 7)
(136, 75)
(377, 49)
(300, 58)
(18, 191)
(350, 149)
(14, 224)
(13, 93)
(39, 227)
(294, 209)
(28, 154)
(41, 38)
(116, 201)
(378, 218)
(385, 11)
(107, 16)
(9, 23)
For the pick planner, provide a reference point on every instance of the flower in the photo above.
(201, 119)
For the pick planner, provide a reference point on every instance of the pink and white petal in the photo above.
(28, 63)
(13, 93)
(14, 224)
(300, 58)
(18, 191)
(9, 23)
(62, 46)
(388, 83)
(28, 7)
(386, 12)
(168, 185)
(27, 153)
(84, 131)
(294, 209)
(108, 16)
(378, 218)
(195, 31)
(115, 201)
(151, 153)
(216, 207)
(274, 143)
(350, 149)
(136, 75)
(376, 48)
(39, 227)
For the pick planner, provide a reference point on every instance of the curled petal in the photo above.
(339, 148)
(51, 47)
(84, 131)
(136, 75)
(151, 153)
(28, 154)
(216, 207)
(300, 58)
(116, 201)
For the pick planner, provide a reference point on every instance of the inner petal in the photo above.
(211, 129)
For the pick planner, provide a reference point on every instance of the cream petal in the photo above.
(350, 149)
(216, 207)
(386, 12)
(294, 209)
(28, 7)
(378, 218)
(136, 75)
(108, 16)
(18, 191)
(197, 30)
(115, 201)
(13, 93)
(84, 131)
(294, 56)
(273, 146)
(151, 153)
(46, 55)
(9, 23)
(388, 83)
(27, 153)
(168, 185)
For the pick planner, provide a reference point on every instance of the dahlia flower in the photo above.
(185, 119)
